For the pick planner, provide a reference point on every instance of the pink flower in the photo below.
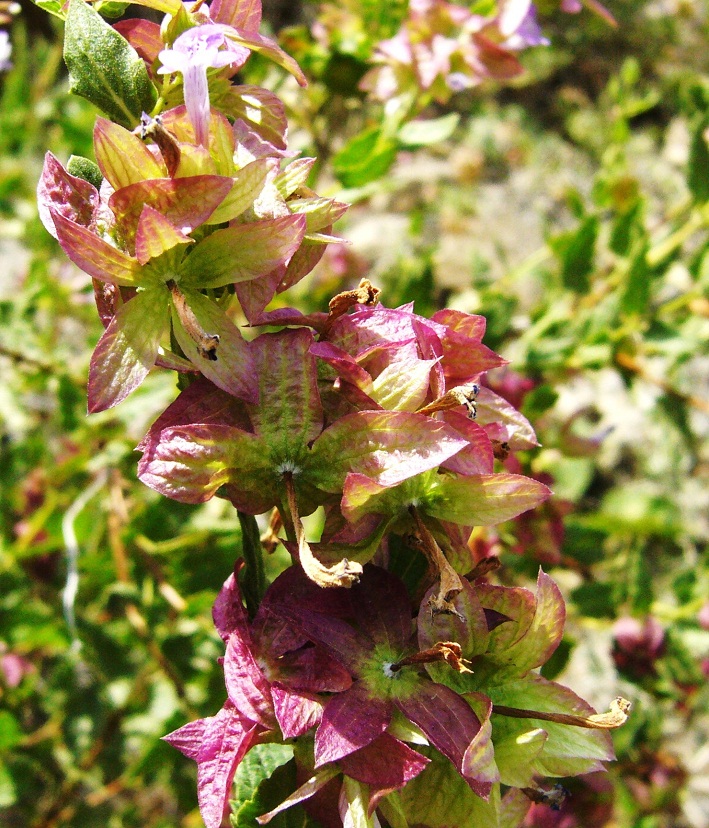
(195, 51)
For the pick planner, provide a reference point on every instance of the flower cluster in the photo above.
(355, 677)
(444, 48)
(386, 686)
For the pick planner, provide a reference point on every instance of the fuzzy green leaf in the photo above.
(104, 68)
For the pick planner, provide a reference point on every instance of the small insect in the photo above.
(467, 395)
(554, 798)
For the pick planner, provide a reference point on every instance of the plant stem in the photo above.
(253, 578)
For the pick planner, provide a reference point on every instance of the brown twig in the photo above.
(636, 367)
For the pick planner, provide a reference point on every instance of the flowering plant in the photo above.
(384, 658)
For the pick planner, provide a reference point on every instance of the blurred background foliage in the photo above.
(571, 208)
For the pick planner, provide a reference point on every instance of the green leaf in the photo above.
(54, 7)
(104, 68)
(627, 227)
(366, 157)
(10, 732)
(8, 794)
(595, 600)
(424, 133)
(515, 754)
(576, 251)
(640, 580)
(241, 253)
(440, 798)
(263, 784)
(128, 348)
(568, 750)
(636, 294)
(258, 764)
(111, 9)
(484, 499)
(386, 446)
(85, 168)
(698, 165)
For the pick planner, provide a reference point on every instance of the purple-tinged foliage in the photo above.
(415, 700)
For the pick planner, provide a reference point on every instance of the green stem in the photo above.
(253, 576)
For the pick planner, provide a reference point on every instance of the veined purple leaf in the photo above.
(226, 740)
(241, 14)
(338, 638)
(465, 624)
(188, 738)
(185, 202)
(484, 499)
(264, 46)
(470, 325)
(313, 669)
(233, 370)
(382, 608)
(189, 463)
(247, 686)
(70, 197)
(289, 411)
(403, 384)
(373, 327)
(128, 348)
(108, 299)
(241, 253)
(387, 446)
(156, 235)
(94, 255)
(201, 402)
(255, 294)
(228, 612)
(345, 365)
(143, 36)
(386, 764)
(449, 724)
(296, 711)
(248, 183)
(292, 317)
(503, 422)
(122, 157)
(351, 720)
(260, 110)
(464, 361)
(477, 457)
